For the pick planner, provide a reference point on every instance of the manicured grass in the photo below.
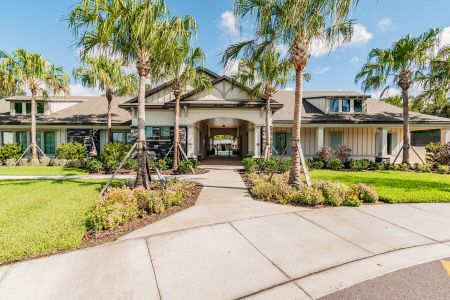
(40, 170)
(43, 216)
(396, 186)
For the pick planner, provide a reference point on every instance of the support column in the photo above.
(257, 141)
(383, 142)
(320, 138)
(445, 135)
(190, 141)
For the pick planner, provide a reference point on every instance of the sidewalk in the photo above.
(229, 246)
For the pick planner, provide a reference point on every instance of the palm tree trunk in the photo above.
(176, 130)
(109, 99)
(34, 152)
(142, 174)
(294, 176)
(268, 148)
(406, 134)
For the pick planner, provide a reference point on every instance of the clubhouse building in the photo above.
(224, 113)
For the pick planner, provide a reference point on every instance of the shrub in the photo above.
(73, 150)
(75, 163)
(94, 165)
(58, 162)
(360, 164)
(365, 193)
(438, 154)
(443, 169)
(249, 164)
(131, 164)
(33, 162)
(11, 151)
(325, 154)
(310, 196)
(119, 207)
(342, 153)
(314, 164)
(113, 155)
(164, 164)
(172, 198)
(186, 166)
(10, 162)
(423, 168)
(333, 192)
(284, 165)
(351, 200)
(44, 161)
(403, 167)
(335, 164)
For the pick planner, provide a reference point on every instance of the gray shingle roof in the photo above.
(377, 111)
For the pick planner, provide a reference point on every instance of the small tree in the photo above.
(108, 75)
(40, 77)
(402, 64)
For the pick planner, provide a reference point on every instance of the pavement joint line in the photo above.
(333, 233)
(146, 241)
(273, 263)
(387, 221)
(6, 273)
(422, 209)
(340, 265)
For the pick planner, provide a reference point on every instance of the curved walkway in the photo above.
(228, 246)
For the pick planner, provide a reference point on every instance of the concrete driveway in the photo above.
(241, 248)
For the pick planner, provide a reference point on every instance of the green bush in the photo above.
(172, 198)
(73, 150)
(310, 196)
(58, 162)
(438, 154)
(365, 193)
(10, 162)
(11, 151)
(315, 164)
(403, 167)
(186, 166)
(164, 164)
(33, 162)
(351, 200)
(334, 193)
(94, 165)
(423, 168)
(44, 161)
(443, 169)
(131, 164)
(335, 164)
(360, 164)
(113, 155)
(249, 164)
(75, 163)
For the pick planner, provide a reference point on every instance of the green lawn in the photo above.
(40, 170)
(43, 216)
(396, 186)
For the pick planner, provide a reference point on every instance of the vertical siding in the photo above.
(360, 140)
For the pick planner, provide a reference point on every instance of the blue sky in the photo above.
(39, 26)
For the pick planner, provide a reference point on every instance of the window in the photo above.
(22, 138)
(39, 138)
(346, 105)
(422, 138)
(49, 142)
(357, 105)
(7, 137)
(336, 138)
(40, 107)
(18, 108)
(280, 141)
(334, 105)
(128, 137)
(164, 133)
(117, 137)
(148, 133)
(28, 108)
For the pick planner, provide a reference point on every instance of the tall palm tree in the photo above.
(9, 85)
(108, 75)
(298, 24)
(264, 75)
(181, 70)
(402, 64)
(138, 31)
(39, 76)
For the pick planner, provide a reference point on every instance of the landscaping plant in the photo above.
(72, 150)
(11, 151)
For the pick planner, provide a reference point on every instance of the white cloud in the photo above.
(289, 88)
(77, 89)
(384, 24)
(320, 70)
(388, 93)
(360, 37)
(228, 24)
(232, 68)
(283, 49)
(355, 60)
(445, 36)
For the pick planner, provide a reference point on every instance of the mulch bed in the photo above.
(173, 172)
(91, 239)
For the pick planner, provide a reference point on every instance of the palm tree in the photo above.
(264, 74)
(9, 85)
(108, 75)
(39, 76)
(181, 70)
(402, 64)
(298, 24)
(138, 31)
